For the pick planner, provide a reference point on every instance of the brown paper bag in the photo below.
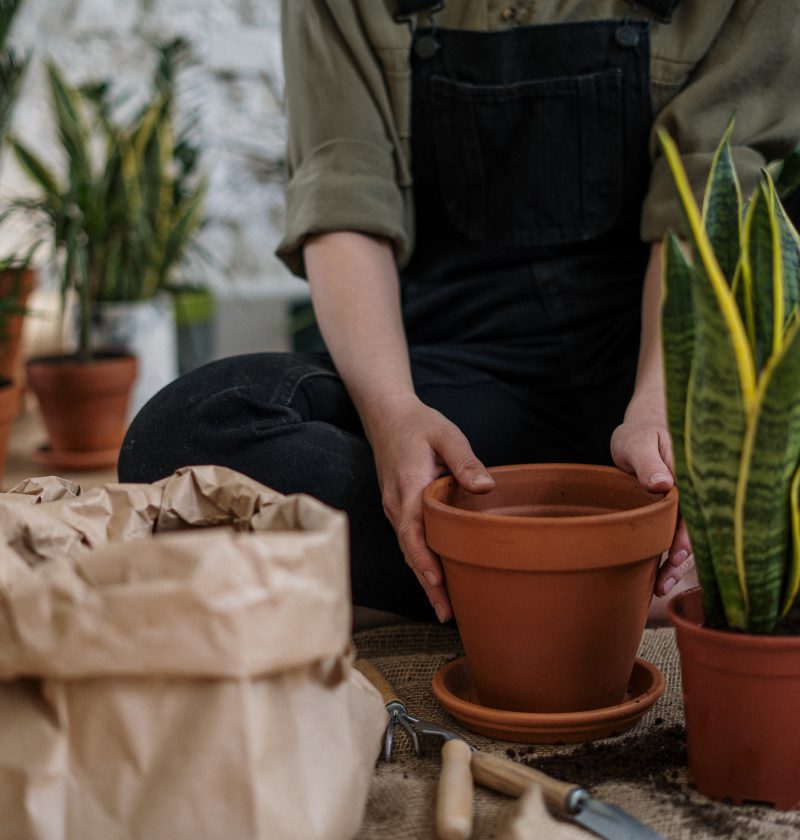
(175, 663)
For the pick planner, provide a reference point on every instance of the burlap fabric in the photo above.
(643, 770)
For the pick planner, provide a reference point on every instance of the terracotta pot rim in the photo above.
(102, 356)
(728, 638)
(580, 521)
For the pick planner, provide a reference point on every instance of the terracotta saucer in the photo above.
(68, 460)
(452, 685)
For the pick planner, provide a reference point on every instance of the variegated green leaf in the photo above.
(770, 456)
(717, 422)
(758, 267)
(789, 177)
(722, 208)
(793, 576)
(677, 332)
(790, 254)
(721, 392)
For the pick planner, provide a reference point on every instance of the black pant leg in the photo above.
(286, 420)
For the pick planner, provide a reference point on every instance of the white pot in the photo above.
(147, 329)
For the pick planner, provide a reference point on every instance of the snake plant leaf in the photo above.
(677, 334)
(790, 257)
(38, 171)
(759, 268)
(72, 128)
(722, 207)
(722, 385)
(714, 447)
(770, 456)
(793, 578)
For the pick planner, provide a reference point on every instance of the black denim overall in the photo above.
(521, 302)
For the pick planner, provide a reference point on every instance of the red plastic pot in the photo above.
(742, 695)
(550, 576)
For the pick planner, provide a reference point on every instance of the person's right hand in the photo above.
(413, 445)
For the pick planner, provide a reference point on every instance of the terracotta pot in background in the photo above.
(741, 694)
(84, 406)
(9, 409)
(18, 285)
(550, 576)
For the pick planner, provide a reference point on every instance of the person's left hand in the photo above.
(643, 447)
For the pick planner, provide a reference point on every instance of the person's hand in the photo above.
(413, 445)
(642, 446)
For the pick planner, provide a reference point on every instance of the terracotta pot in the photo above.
(17, 285)
(9, 409)
(84, 406)
(742, 694)
(550, 576)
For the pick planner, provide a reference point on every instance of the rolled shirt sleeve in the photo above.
(751, 72)
(342, 152)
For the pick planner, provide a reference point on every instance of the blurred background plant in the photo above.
(15, 279)
(126, 209)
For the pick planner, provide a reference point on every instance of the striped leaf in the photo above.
(793, 576)
(758, 268)
(677, 331)
(722, 386)
(769, 460)
(722, 208)
(790, 257)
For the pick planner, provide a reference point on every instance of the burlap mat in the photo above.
(643, 770)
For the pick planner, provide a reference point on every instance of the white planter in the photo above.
(147, 329)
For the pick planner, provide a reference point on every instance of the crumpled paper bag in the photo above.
(175, 662)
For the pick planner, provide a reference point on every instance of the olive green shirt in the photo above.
(348, 102)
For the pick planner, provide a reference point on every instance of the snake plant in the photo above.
(122, 216)
(731, 344)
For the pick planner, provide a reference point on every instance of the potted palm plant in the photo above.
(731, 341)
(118, 226)
(16, 277)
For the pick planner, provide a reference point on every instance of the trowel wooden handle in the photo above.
(378, 680)
(454, 793)
(513, 778)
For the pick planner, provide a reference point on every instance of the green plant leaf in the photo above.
(37, 171)
(722, 385)
(793, 577)
(677, 331)
(722, 208)
(75, 134)
(790, 257)
(770, 456)
(759, 267)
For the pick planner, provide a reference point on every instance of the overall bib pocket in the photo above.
(554, 148)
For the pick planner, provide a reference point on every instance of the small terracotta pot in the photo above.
(550, 576)
(84, 405)
(741, 694)
(9, 409)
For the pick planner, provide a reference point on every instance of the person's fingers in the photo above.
(639, 452)
(679, 561)
(423, 562)
(454, 449)
(405, 513)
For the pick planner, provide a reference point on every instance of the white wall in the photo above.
(234, 86)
